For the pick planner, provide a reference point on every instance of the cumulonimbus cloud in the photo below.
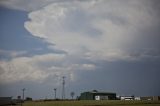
(103, 29)
(90, 31)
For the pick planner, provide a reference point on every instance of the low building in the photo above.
(95, 95)
(155, 98)
(5, 101)
(137, 98)
(127, 98)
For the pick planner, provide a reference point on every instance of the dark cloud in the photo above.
(125, 78)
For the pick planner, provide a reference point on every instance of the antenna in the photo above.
(23, 93)
(55, 92)
(63, 88)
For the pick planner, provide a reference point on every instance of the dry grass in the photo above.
(93, 103)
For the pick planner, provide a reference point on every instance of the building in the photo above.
(95, 95)
(155, 98)
(5, 101)
(137, 98)
(127, 98)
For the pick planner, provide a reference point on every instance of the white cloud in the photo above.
(25, 5)
(25, 68)
(90, 31)
(12, 54)
(39, 68)
(103, 28)
(32, 5)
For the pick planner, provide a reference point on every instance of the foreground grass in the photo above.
(94, 103)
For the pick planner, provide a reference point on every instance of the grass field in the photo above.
(93, 103)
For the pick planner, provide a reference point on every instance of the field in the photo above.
(93, 103)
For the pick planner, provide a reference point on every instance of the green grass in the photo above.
(93, 103)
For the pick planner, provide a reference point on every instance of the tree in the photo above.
(72, 94)
(18, 97)
(28, 99)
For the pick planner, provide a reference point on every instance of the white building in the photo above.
(127, 98)
(137, 98)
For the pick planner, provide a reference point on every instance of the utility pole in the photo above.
(63, 88)
(55, 89)
(22, 96)
(23, 93)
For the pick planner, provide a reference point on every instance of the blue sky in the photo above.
(108, 45)
(14, 37)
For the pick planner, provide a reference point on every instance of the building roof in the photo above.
(97, 92)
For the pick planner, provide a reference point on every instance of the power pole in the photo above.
(23, 93)
(55, 89)
(63, 88)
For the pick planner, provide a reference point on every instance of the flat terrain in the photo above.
(93, 103)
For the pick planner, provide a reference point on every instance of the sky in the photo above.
(107, 45)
